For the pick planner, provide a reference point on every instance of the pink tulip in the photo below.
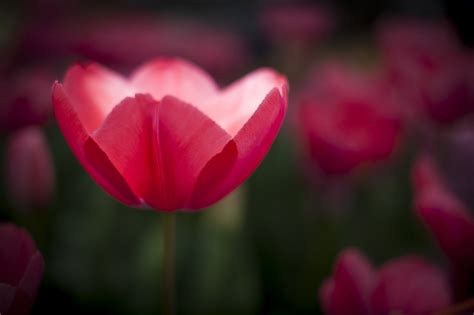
(167, 137)
(444, 214)
(429, 66)
(408, 285)
(29, 170)
(346, 121)
(21, 270)
(25, 98)
(296, 23)
(129, 40)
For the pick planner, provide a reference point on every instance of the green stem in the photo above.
(168, 276)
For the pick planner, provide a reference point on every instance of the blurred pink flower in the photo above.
(29, 170)
(408, 285)
(301, 24)
(444, 214)
(21, 270)
(127, 40)
(429, 66)
(346, 119)
(25, 98)
(167, 137)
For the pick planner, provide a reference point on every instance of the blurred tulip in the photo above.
(408, 285)
(25, 98)
(457, 163)
(117, 41)
(346, 120)
(21, 270)
(445, 216)
(430, 67)
(183, 143)
(126, 40)
(292, 23)
(29, 170)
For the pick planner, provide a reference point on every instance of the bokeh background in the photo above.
(266, 248)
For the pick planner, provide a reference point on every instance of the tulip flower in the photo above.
(29, 170)
(21, 270)
(444, 214)
(301, 24)
(167, 137)
(25, 98)
(407, 285)
(345, 121)
(449, 220)
(430, 68)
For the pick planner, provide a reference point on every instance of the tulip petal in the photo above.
(21, 270)
(93, 92)
(95, 162)
(171, 76)
(444, 214)
(211, 176)
(253, 142)
(411, 286)
(187, 140)
(236, 104)
(351, 285)
(126, 137)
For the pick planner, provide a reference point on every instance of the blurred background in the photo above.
(373, 84)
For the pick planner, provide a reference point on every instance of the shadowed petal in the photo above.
(21, 270)
(95, 162)
(212, 174)
(443, 213)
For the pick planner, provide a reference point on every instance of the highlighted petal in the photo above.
(170, 76)
(91, 157)
(253, 142)
(237, 103)
(93, 92)
(126, 137)
(187, 140)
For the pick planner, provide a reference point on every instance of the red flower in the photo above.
(25, 98)
(446, 217)
(346, 121)
(430, 68)
(408, 285)
(167, 137)
(21, 270)
(29, 170)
